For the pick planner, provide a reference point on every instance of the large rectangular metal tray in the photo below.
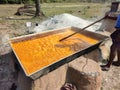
(86, 48)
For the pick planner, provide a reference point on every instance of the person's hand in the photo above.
(107, 14)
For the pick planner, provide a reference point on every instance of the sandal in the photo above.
(105, 68)
(116, 63)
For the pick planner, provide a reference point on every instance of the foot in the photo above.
(105, 68)
(116, 63)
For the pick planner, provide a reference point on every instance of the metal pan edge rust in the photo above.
(62, 61)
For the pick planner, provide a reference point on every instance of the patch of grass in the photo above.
(84, 10)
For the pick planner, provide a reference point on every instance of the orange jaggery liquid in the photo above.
(37, 53)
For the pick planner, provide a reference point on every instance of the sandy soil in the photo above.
(111, 79)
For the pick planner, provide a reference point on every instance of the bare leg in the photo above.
(118, 55)
(111, 58)
(117, 63)
(112, 55)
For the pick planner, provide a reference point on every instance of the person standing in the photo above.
(115, 47)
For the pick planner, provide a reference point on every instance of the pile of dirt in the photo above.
(65, 20)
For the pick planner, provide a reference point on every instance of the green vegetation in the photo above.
(15, 1)
(46, 1)
(84, 10)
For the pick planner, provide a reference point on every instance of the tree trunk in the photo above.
(38, 8)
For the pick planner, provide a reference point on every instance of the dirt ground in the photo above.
(111, 79)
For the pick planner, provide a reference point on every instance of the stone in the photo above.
(51, 81)
(84, 73)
